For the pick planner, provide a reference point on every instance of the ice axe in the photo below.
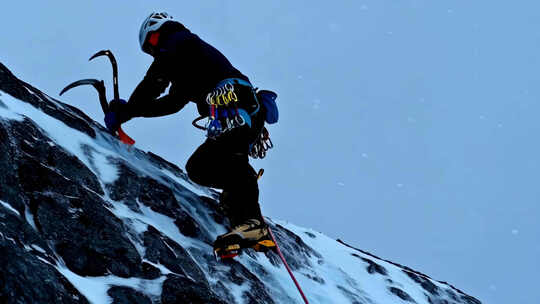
(99, 85)
(109, 54)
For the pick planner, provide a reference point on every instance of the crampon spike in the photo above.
(225, 255)
(228, 256)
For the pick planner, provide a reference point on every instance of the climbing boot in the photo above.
(252, 233)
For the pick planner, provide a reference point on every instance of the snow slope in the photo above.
(328, 270)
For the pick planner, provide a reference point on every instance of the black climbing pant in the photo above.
(223, 163)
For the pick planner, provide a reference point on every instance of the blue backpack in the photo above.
(268, 101)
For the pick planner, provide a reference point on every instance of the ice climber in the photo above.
(198, 72)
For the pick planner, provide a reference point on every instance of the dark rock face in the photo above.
(62, 212)
(19, 89)
(125, 295)
(37, 148)
(90, 240)
(424, 282)
(131, 188)
(401, 294)
(372, 266)
(27, 274)
(294, 248)
(144, 236)
(162, 250)
(180, 289)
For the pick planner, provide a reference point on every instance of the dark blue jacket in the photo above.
(192, 67)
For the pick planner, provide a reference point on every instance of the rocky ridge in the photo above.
(86, 219)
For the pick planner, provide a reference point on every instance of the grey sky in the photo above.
(408, 128)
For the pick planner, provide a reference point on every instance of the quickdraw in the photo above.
(261, 145)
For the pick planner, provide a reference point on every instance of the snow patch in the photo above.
(239, 291)
(164, 270)
(191, 187)
(107, 172)
(95, 288)
(6, 113)
(38, 249)
(8, 207)
(70, 139)
(30, 218)
(162, 223)
(341, 269)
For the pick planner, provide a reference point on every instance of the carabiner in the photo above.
(231, 94)
(268, 144)
(240, 120)
(210, 98)
(217, 96)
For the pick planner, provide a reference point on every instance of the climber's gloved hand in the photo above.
(116, 115)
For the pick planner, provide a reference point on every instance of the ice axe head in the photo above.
(109, 54)
(97, 84)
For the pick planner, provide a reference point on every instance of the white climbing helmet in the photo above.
(152, 24)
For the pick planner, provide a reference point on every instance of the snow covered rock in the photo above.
(86, 219)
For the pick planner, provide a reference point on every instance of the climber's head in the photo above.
(149, 32)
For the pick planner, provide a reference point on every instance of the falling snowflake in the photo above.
(316, 104)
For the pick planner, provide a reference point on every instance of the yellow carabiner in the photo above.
(224, 95)
(232, 96)
(219, 100)
(226, 98)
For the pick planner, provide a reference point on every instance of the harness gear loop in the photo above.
(196, 120)
(224, 111)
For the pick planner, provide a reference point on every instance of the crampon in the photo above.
(232, 250)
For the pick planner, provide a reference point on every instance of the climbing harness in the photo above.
(225, 113)
(223, 104)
